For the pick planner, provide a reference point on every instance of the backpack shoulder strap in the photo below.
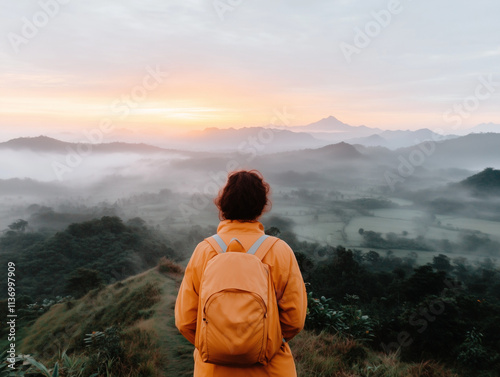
(259, 248)
(217, 243)
(257, 244)
(262, 246)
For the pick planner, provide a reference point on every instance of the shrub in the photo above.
(346, 321)
(166, 266)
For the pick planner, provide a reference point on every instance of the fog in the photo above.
(369, 198)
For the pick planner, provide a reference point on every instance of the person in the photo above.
(241, 202)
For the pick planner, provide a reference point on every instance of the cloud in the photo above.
(285, 52)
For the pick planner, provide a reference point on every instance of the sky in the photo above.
(163, 66)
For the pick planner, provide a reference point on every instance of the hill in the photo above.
(399, 139)
(134, 318)
(261, 139)
(471, 152)
(327, 155)
(485, 183)
(48, 144)
(134, 321)
(102, 250)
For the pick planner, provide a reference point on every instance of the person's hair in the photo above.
(244, 197)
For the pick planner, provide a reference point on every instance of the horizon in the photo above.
(118, 136)
(68, 67)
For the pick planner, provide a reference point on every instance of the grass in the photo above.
(143, 307)
(326, 355)
(167, 266)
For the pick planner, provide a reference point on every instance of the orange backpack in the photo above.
(239, 320)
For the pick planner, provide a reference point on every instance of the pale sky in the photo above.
(68, 65)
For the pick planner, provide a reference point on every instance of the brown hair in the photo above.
(245, 196)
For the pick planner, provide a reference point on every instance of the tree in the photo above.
(18, 226)
(136, 222)
(424, 282)
(82, 281)
(373, 257)
(442, 263)
(273, 231)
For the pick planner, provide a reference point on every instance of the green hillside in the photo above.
(361, 305)
(133, 329)
(136, 317)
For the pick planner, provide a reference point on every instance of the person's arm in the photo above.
(186, 305)
(293, 302)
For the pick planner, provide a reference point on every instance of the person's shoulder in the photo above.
(281, 248)
(203, 250)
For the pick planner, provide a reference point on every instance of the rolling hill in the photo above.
(134, 319)
(484, 183)
(48, 144)
(474, 152)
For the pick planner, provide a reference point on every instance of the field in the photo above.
(315, 224)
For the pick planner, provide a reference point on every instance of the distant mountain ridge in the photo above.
(48, 144)
(333, 130)
(269, 139)
(484, 127)
(473, 151)
(224, 139)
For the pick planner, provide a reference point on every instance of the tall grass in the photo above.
(166, 266)
(327, 355)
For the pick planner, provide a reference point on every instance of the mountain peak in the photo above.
(340, 150)
(331, 118)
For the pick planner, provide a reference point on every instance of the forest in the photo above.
(445, 311)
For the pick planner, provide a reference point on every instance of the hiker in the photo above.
(223, 307)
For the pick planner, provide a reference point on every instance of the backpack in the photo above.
(239, 320)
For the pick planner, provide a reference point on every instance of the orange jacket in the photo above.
(290, 293)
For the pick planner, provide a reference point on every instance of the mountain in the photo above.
(333, 125)
(473, 152)
(266, 140)
(399, 138)
(327, 165)
(39, 144)
(486, 182)
(374, 140)
(334, 131)
(340, 151)
(485, 127)
(47, 144)
(327, 155)
(134, 316)
(129, 327)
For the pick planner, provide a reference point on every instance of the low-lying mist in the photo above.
(358, 197)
